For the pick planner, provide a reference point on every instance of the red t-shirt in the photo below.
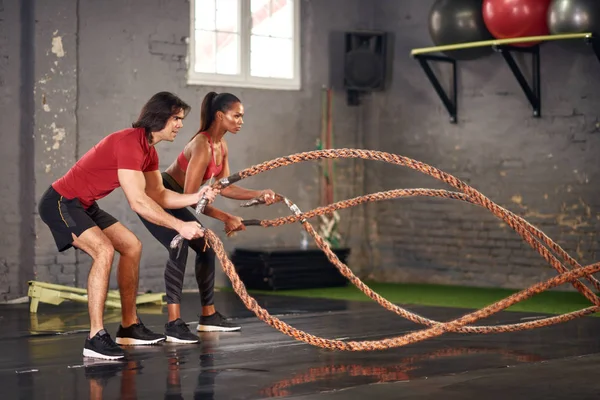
(95, 174)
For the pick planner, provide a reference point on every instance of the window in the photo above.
(245, 43)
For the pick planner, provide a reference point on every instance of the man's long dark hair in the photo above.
(157, 111)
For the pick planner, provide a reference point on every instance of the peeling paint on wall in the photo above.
(566, 217)
(59, 135)
(57, 46)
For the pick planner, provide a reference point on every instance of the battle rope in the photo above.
(533, 236)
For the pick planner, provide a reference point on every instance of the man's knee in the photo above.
(123, 240)
(135, 246)
(104, 252)
(96, 244)
(129, 245)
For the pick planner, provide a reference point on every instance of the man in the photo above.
(128, 159)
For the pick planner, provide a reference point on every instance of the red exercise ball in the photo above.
(516, 18)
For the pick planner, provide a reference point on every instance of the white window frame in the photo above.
(244, 79)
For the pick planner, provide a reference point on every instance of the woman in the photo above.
(204, 157)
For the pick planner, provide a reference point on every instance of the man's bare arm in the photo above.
(134, 185)
(167, 198)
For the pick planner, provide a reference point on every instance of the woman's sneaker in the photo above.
(216, 323)
(102, 346)
(137, 334)
(178, 332)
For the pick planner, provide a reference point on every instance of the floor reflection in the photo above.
(40, 354)
(342, 376)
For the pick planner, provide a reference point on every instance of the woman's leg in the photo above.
(175, 267)
(210, 319)
(205, 275)
(176, 330)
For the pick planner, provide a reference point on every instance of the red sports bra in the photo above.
(212, 169)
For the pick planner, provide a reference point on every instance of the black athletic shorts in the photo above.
(65, 217)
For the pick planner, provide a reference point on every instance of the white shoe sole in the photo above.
(137, 342)
(172, 339)
(210, 328)
(92, 354)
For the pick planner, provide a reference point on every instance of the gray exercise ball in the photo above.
(574, 16)
(459, 21)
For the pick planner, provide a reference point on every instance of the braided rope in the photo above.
(347, 272)
(530, 234)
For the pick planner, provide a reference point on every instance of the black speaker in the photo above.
(366, 61)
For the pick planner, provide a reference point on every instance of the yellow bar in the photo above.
(53, 286)
(55, 294)
(496, 42)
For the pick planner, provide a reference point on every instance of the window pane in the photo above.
(227, 53)
(255, 5)
(261, 12)
(205, 52)
(283, 66)
(273, 18)
(227, 16)
(205, 14)
(272, 57)
(259, 56)
(282, 18)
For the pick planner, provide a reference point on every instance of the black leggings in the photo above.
(175, 269)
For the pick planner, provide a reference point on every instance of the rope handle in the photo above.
(261, 200)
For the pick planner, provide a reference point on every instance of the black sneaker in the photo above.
(137, 334)
(178, 332)
(102, 346)
(216, 323)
